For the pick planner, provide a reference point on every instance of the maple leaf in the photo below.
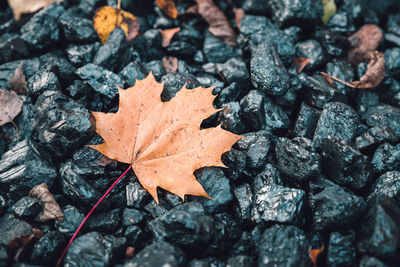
(163, 141)
(20, 7)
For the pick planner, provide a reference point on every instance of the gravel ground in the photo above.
(319, 166)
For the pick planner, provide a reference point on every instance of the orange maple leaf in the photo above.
(162, 140)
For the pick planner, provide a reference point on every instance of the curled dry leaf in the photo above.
(24, 241)
(108, 18)
(18, 81)
(239, 14)
(20, 7)
(371, 78)
(362, 42)
(168, 7)
(170, 64)
(51, 209)
(218, 23)
(301, 63)
(314, 253)
(167, 35)
(163, 141)
(10, 106)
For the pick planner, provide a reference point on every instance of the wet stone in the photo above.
(297, 158)
(240, 261)
(379, 234)
(336, 208)
(386, 158)
(335, 44)
(344, 164)
(12, 48)
(43, 80)
(65, 70)
(109, 54)
(132, 217)
(283, 245)
(341, 249)
(72, 219)
(230, 118)
(133, 235)
(387, 185)
(252, 106)
(155, 210)
(156, 68)
(275, 117)
(242, 204)
(235, 70)
(269, 175)
(101, 80)
(392, 62)
(383, 116)
(136, 195)
(173, 82)
(286, 12)
(158, 254)
(77, 29)
(375, 136)
(11, 227)
(61, 124)
(26, 207)
(40, 31)
(22, 168)
(132, 72)
(267, 72)
(105, 222)
(48, 248)
(216, 50)
(275, 203)
(312, 50)
(81, 55)
(306, 121)
(343, 70)
(228, 94)
(217, 187)
(337, 119)
(368, 261)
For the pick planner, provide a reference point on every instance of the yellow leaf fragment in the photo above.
(329, 10)
(108, 18)
(20, 7)
(162, 140)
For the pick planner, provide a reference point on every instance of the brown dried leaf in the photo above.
(51, 209)
(170, 64)
(18, 81)
(108, 18)
(129, 252)
(20, 7)
(163, 141)
(167, 35)
(371, 78)
(24, 241)
(10, 106)
(168, 7)
(104, 161)
(218, 23)
(314, 253)
(239, 14)
(301, 63)
(362, 42)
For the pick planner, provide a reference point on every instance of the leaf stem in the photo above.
(89, 213)
(119, 4)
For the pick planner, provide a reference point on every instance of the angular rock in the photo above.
(134, 235)
(235, 70)
(341, 249)
(306, 121)
(252, 106)
(40, 31)
(80, 55)
(26, 207)
(11, 227)
(12, 48)
(383, 116)
(132, 72)
(275, 203)
(72, 219)
(285, 12)
(386, 158)
(105, 222)
(268, 176)
(240, 261)
(375, 136)
(43, 80)
(173, 82)
(77, 29)
(48, 248)
(65, 70)
(297, 158)
(136, 196)
(242, 205)
(132, 217)
(312, 50)
(387, 185)
(216, 50)
(368, 261)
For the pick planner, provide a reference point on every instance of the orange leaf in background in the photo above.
(314, 253)
(170, 64)
(108, 18)
(365, 40)
(239, 14)
(218, 23)
(301, 63)
(167, 35)
(20, 7)
(168, 7)
(163, 141)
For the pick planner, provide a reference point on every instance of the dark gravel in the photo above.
(319, 164)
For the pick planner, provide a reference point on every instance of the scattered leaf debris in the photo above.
(18, 80)
(314, 253)
(239, 14)
(301, 63)
(167, 35)
(10, 106)
(168, 7)
(24, 242)
(21, 7)
(365, 40)
(170, 64)
(104, 161)
(51, 209)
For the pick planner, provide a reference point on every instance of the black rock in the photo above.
(312, 50)
(380, 233)
(368, 261)
(342, 69)
(283, 245)
(80, 55)
(387, 185)
(26, 207)
(255, 7)
(115, 53)
(77, 29)
(337, 119)
(132, 72)
(187, 41)
(61, 124)
(344, 164)
(242, 205)
(216, 50)
(392, 94)
(336, 208)
(304, 11)
(384, 116)
(155, 210)
(230, 118)
(341, 249)
(11, 227)
(252, 106)
(267, 72)
(132, 217)
(297, 158)
(386, 158)
(101, 80)
(235, 70)
(158, 254)
(341, 22)
(275, 203)
(43, 80)
(3, 205)
(72, 219)
(228, 94)
(335, 44)
(268, 176)
(173, 82)
(275, 117)
(392, 62)
(22, 168)
(65, 70)
(156, 68)
(48, 248)
(3, 256)
(374, 137)
(105, 222)
(306, 121)
(134, 235)
(239, 261)
(12, 48)
(40, 31)
(136, 196)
